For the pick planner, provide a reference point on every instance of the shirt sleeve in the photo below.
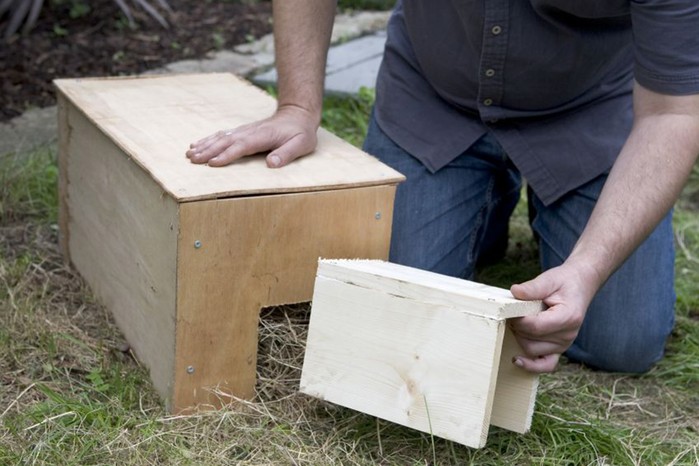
(666, 45)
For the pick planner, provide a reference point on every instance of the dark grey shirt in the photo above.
(551, 79)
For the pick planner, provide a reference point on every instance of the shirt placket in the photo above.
(492, 64)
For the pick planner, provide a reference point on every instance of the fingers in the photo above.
(287, 134)
(537, 365)
(223, 147)
(556, 322)
(294, 148)
(539, 288)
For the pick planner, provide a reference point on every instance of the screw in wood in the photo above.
(377, 215)
(197, 244)
(190, 369)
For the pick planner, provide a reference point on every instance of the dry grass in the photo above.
(70, 396)
(72, 393)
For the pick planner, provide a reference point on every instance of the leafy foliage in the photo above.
(24, 13)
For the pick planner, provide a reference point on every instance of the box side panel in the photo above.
(238, 255)
(122, 237)
(425, 366)
(515, 391)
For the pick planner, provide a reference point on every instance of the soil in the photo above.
(69, 40)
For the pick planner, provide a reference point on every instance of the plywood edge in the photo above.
(409, 282)
(64, 129)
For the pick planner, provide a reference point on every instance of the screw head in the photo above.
(190, 369)
(377, 215)
(197, 244)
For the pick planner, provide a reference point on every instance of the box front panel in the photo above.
(238, 255)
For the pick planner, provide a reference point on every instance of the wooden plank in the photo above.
(255, 252)
(515, 390)
(372, 322)
(412, 283)
(123, 240)
(422, 365)
(153, 119)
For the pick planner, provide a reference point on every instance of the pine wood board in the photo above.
(153, 119)
(412, 283)
(382, 341)
(409, 363)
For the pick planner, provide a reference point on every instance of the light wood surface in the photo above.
(255, 252)
(121, 232)
(515, 390)
(183, 255)
(382, 341)
(409, 282)
(153, 119)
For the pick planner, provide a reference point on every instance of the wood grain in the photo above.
(154, 119)
(123, 239)
(255, 252)
(382, 341)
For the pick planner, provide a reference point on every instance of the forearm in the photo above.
(644, 182)
(302, 31)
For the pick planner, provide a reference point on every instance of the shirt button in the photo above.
(490, 72)
(496, 30)
(488, 102)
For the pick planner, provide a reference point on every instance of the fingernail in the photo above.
(274, 160)
(517, 362)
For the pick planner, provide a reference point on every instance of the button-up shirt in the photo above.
(550, 79)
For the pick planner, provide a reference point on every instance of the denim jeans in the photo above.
(450, 221)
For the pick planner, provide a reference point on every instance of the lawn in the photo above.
(72, 393)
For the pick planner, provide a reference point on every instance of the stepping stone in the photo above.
(351, 66)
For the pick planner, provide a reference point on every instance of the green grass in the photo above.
(365, 4)
(71, 395)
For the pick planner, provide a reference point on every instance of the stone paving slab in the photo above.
(34, 128)
(350, 66)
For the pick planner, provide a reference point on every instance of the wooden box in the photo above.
(185, 255)
(420, 349)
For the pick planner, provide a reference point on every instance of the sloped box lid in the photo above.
(153, 119)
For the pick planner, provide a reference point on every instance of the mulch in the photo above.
(100, 42)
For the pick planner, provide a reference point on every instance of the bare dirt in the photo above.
(69, 41)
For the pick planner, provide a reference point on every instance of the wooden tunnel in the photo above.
(420, 349)
(185, 255)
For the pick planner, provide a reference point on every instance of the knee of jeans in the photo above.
(636, 354)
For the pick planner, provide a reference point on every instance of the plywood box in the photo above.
(185, 255)
(420, 349)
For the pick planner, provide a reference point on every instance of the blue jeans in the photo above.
(450, 221)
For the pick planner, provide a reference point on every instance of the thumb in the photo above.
(538, 288)
(294, 148)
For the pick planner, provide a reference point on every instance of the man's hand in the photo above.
(288, 134)
(567, 290)
(301, 39)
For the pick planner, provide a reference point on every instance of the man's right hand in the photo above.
(288, 134)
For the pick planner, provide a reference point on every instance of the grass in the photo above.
(72, 394)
